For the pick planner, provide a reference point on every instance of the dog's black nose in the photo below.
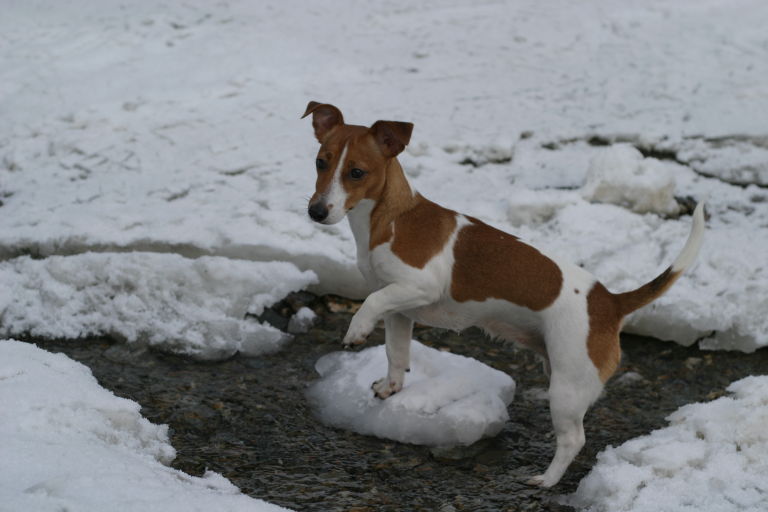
(318, 212)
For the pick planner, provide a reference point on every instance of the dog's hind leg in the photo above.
(567, 406)
(574, 385)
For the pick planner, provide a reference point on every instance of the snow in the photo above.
(713, 457)
(191, 306)
(301, 321)
(69, 444)
(173, 128)
(154, 176)
(620, 175)
(447, 399)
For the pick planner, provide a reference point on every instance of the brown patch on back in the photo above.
(604, 326)
(491, 264)
(422, 232)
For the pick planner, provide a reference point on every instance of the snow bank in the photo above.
(713, 457)
(447, 399)
(192, 306)
(69, 444)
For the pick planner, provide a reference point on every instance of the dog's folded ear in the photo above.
(392, 136)
(325, 117)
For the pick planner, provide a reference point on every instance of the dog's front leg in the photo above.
(399, 329)
(392, 298)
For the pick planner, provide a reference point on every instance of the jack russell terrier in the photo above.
(428, 264)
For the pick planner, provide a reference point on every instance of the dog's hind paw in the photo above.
(540, 481)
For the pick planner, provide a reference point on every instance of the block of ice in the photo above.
(447, 399)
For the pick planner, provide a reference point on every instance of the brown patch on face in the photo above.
(330, 152)
(491, 264)
(422, 232)
(383, 181)
(604, 325)
(363, 154)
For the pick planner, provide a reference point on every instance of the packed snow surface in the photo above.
(712, 458)
(69, 444)
(192, 306)
(174, 127)
(447, 399)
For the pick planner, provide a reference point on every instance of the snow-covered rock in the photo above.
(447, 399)
(713, 457)
(191, 306)
(69, 444)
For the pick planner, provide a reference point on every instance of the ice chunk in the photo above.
(193, 306)
(69, 444)
(620, 175)
(447, 399)
(711, 458)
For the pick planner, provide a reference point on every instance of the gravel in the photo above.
(248, 418)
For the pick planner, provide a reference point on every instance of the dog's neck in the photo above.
(371, 219)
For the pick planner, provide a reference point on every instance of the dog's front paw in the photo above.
(386, 387)
(356, 334)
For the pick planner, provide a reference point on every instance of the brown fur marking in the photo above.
(630, 301)
(604, 326)
(490, 263)
(422, 232)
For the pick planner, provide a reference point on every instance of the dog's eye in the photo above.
(356, 174)
(321, 164)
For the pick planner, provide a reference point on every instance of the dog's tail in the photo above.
(649, 292)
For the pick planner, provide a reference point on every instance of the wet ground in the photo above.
(247, 418)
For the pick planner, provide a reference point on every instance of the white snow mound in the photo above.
(69, 444)
(713, 457)
(620, 175)
(447, 399)
(192, 306)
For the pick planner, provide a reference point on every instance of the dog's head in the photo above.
(352, 162)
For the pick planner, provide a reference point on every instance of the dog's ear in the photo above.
(391, 136)
(325, 117)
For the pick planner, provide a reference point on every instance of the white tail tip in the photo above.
(693, 244)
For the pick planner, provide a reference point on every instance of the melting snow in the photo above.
(69, 444)
(192, 306)
(713, 457)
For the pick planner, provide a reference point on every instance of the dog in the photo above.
(429, 264)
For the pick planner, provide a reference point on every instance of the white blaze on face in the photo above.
(336, 197)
